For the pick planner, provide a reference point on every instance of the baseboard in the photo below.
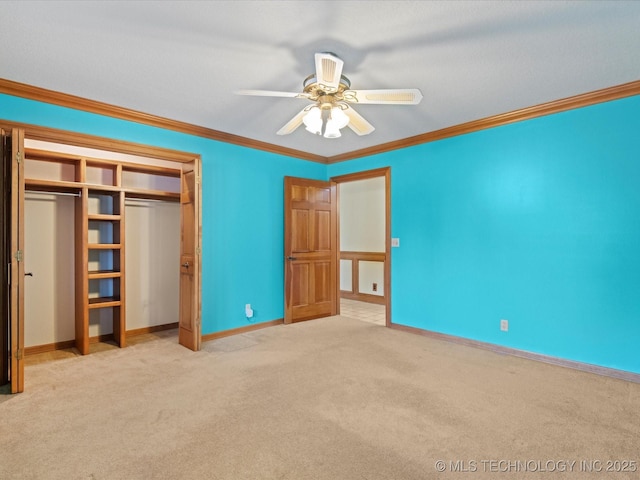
(152, 329)
(363, 297)
(584, 367)
(49, 347)
(245, 329)
(107, 337)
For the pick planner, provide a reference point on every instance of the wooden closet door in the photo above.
(16, 277)
(5, 239)
(189, 334)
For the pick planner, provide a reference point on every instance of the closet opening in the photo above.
(104, 227)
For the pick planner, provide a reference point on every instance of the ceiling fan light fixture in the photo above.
(332, 130)
(332, 95)
(313, 121)
(339, 117)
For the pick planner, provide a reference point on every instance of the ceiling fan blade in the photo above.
(357, 123)
(328, 71)
(270, 93)
(406, 96)
(294, 123)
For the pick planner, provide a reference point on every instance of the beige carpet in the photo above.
(327, 399)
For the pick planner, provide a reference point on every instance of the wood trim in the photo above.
(152, 329)
(365, 175)
(50, 347)
(116, 165)
(354, 293)
(70, 101)
(105, 337)
(31, 92)
(5, 255)
(570, 103)
(363, 297)
(386, 173)
(584, 367)
(364, 256)
(240, 330)
(46, 134)
(16, 287)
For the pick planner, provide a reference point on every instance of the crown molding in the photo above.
(31, 92)
(556, 106)
(65, 100)
(46, 134)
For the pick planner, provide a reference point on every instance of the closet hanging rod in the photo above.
(43, 192)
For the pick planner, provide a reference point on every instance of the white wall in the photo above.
(346, 275)
(368, 274)
(49, 255)
(362, 215)
(362, 229)
(152, 262)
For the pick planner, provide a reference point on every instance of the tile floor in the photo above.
(368, 312)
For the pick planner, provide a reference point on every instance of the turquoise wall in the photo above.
(242, 209)
(536, 222)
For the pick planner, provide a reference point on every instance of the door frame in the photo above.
(5, 241)
(74, 139)
(366, 175)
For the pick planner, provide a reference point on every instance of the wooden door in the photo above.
(5, 256)
(311, 249)
(16, 276)
(189, 334)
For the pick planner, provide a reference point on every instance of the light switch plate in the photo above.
(395, 242)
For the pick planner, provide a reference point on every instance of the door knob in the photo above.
(185, 264)
(28, 274)
(291, 258)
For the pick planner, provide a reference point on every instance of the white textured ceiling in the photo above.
(183, 60)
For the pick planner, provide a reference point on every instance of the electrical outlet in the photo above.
(504, 325)
(374, 287)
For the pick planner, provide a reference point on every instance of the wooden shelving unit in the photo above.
(102, 187)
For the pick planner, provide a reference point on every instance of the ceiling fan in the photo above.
(331, 94)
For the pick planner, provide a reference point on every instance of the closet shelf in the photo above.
(104, 246)
(103, 217)
(53, 185)
(96, 187)
(103, 302)
(75, 187)
(100, 274)
(152, 194)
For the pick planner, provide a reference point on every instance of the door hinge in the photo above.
(198, 251)
(198, 179)
(19, 156)
(19, 354)
(18, 256)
